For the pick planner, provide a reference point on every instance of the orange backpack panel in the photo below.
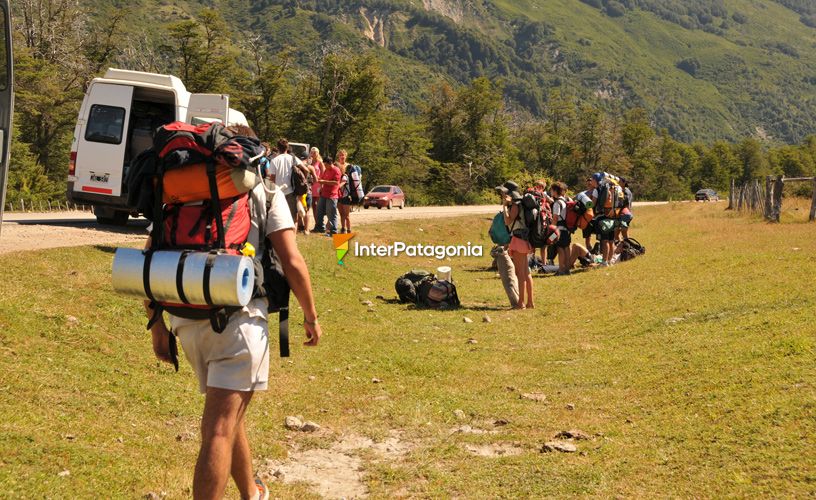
(190, 183)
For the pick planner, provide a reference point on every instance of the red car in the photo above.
(385, 196)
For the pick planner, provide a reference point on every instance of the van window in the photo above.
(105, 124)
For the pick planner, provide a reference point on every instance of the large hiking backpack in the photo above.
(631, 248)
(300, 178)
(355, 186)
(536, 215)
(215, 221)
(498, 230)
(610, 200)
(437, 294)
(579, 215)
(406, 285)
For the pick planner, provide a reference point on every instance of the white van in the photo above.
(116, 122)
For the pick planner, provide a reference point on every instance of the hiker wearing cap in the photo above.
(500, 234)
(329, 194)
(519, 248)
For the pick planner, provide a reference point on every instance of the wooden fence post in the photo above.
(768, 197)
(779, 186)
(813, 203)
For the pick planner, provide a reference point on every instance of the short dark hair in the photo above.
(242, 130)
(559, 187)
(283, 145)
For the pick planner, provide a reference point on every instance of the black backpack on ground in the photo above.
(631, 248)
(437, 294)
(407, 284)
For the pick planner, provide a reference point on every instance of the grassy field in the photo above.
(691, 368)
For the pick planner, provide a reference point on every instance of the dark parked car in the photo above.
(706, 195)
(385, 196)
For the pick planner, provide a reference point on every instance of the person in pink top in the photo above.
(329, 193)
(316, 162)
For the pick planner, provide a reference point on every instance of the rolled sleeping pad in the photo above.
(584, 199)
(614, 179)
(231, 283)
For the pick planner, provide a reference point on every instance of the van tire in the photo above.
(117, 219)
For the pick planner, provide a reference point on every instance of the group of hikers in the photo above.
(330, 189)
(542, 217)
(238, 214)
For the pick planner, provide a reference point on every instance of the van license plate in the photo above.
(100, 178)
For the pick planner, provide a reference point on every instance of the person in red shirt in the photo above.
(329, 193)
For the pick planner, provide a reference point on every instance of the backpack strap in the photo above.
(208, 265)
(283, 331)
(157, 233)
(216, 206)
(146, 275)
(180, 276)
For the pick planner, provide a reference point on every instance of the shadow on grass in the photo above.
(105, 248)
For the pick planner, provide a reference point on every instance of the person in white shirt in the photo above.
(559, 211)
(281, 174)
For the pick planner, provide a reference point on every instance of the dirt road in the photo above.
(30, 231)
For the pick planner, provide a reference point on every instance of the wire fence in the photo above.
(22, 205)
(766, 198)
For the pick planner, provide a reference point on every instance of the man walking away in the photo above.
(231, 365)
(281, 174)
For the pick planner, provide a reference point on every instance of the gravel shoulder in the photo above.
(35, 231)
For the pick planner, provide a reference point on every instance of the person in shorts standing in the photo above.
(233, 364)
(559, 211)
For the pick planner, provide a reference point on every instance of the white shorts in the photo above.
(236, 359)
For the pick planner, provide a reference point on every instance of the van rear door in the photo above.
(100, 155)
(204, 108)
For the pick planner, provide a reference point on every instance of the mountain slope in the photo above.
(703, 69)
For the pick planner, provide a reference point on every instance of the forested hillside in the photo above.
(449, 97)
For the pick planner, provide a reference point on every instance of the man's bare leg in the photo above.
(241, 468)
(223, 413)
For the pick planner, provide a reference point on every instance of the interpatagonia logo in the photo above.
(341, 245)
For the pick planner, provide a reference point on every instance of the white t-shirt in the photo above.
(281, 167)
(559, 210)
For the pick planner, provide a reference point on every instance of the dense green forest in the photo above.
(443, 104)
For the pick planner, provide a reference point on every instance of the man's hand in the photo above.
(313, 332)
(161, 342)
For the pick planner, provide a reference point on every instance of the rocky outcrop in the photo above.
(453, 9)
(373, 26)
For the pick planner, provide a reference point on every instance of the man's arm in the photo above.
(297, 274)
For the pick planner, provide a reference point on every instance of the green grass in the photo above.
(692, 365)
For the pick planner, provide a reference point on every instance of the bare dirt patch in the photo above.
(494, 450)
(337, 472)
